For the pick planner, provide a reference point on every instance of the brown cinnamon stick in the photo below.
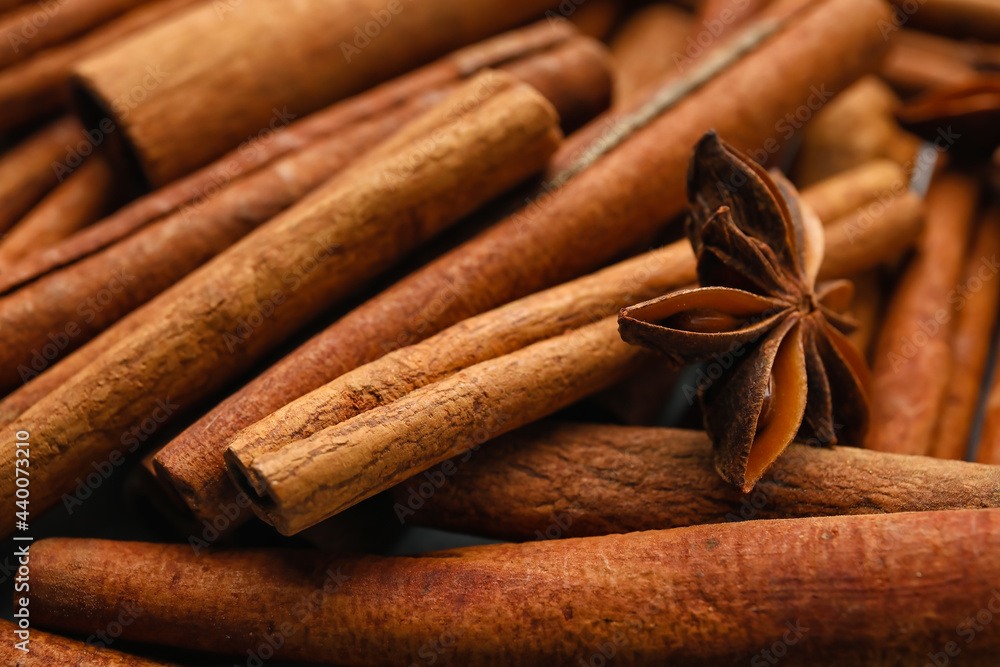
(911, 67)
(27, 173)
(572, 73)
(551, 480)
(959, 18)
(913, 360)
(489, 134)
(46, 649)
(846, 586)
(38, 86)
(36, 26)
(843, 193)
(978, 298)
(649, 45)
(81, 199)
(214, 92)
(165, 249)
(325, 452)
(640, 181)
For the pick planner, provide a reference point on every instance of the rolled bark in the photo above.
(959, 18)
(38, 85)
(978, 299)
(46, 649)
(37, 26)
(913, 362)
(81, 199)
(867, 308)
(843, 193)
(832, 590)
(301, 465)
(645, 48)
(193, 467)
(550, 480)
(856, 127)
(214, 92)
(80, 298)
(210, 326)
(572, 73)
(640, 181)
(912, 69)
(27, 171)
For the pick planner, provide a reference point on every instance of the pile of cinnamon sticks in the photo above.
(688, 308)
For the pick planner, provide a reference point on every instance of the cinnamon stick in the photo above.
(193, 467)
(349, 440)
(38, 85)
(165, 249)
(988, 447)
(641, 181)
(214, 91)
(867, 309)
(26, 171)
(46, 649)
(36, 26)
(978, 298)
(81, 199)
(843, 193)
(913, 361)
(649, 45)
(959, 18)
(551, 480)
(846, 587)
(912, 68)
(572, 73)
(856, 127)
(212, 325)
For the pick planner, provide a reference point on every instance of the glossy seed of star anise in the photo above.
(781, 368)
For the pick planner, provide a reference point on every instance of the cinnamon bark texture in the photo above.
(640, 181)
(164, 249)
(978, 296)
(575, 480)
(47, 650)
(488, 135)
(82, 198)
(644, 594)
(331, 469)
(27, 171)
(196, 470)
(649, 45)
(913, 360)
(573, 73)
(843, 193)
(216, 92)
(852, 129)
(958, 18)
(34, 27)
(38, 85)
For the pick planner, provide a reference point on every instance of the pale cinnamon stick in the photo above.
(841, 194)
(214, 91)
(978, 298)
(82, 198)
(36, 26)
(552, 480)
(27, 171)
(640, 181)
(38, 86)
(572, 73)
(488, 135)
(913, 363)
(45, 649)
(152, 258)
(839, 590)
(328, 435)
(650, 44)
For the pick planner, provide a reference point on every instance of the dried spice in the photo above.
(792, 370)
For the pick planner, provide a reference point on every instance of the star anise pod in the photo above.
(781, 365)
